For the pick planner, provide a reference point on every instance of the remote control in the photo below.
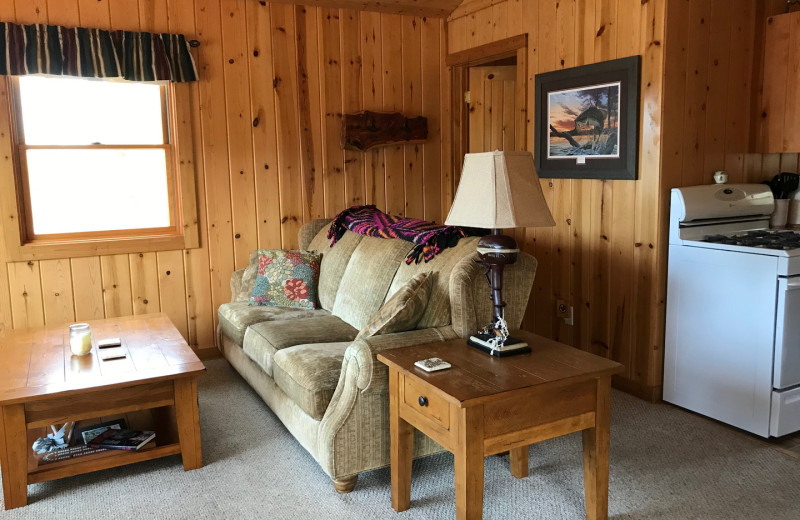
(113, 353)
(108, 343)
(432, 364)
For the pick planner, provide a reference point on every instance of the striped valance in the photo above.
(94, 53)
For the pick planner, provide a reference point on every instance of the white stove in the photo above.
(732, 348)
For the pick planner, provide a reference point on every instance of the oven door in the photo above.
(787, 334)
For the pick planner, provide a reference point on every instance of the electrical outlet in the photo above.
(564, 311)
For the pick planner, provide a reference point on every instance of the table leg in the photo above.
(14, 455)
(518, 458)
(402, 448)
(595, 455)
(469, 464)
(187, 415)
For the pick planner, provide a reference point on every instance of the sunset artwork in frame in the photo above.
(587, 121)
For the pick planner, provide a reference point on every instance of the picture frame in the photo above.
(586, 121)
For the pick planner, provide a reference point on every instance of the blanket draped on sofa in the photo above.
(429, 238)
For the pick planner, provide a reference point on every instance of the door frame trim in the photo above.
(459, 64)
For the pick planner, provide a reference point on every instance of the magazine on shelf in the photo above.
(122, 439)
(88, 433)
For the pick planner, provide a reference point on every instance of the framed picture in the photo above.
(587, 121)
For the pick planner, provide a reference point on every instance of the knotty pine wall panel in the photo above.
(602, 256)
(713, 76)
(265, 124)
(700, 83)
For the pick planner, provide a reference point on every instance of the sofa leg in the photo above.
(345, 485)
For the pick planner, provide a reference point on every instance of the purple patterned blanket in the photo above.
(429, 238)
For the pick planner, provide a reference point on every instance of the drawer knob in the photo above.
(423, 401)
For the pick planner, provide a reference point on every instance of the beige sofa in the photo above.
(329, 390)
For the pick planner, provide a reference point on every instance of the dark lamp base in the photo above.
(496, 251)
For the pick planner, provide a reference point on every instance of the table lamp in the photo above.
(498, 190)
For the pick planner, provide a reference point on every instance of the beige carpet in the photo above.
(665, 463)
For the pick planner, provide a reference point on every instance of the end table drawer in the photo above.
(427, 403)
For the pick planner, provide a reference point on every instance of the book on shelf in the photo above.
(71, 452)
(74, 452)
(122, 439)
(88, 433)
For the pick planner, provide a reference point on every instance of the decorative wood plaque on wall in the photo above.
(367, 130)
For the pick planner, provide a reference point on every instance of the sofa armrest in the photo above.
(354, 432)
(309, 230)
(364, 353)
(236, 284)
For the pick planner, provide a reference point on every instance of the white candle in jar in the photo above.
(80, 339)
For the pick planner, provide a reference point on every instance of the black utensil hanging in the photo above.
(772, 186)
(787, 182)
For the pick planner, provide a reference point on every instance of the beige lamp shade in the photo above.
(499, 190)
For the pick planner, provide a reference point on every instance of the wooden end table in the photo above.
(41, 383)
(485, 405)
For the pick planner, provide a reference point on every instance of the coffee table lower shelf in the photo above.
(98, 461)
(154, 387)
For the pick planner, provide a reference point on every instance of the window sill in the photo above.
(96, 247)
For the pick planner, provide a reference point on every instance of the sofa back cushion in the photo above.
(438, 311)
(334, 262)
(459, 295)
(367, 278)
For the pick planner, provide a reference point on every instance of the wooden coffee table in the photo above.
(41, 383)
(484, 405)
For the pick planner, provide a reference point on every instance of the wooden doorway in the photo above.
(506, 61)
(491, 98)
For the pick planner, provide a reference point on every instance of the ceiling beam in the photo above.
(432, 8)
(470, 6)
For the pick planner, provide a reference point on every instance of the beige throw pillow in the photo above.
(249, 276)
(403, 310)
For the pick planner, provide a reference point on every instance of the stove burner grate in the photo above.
(784, 240)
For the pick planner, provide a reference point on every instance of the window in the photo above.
(94, 164)
(94, 157)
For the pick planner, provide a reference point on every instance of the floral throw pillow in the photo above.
(403, 310)
(287, 279)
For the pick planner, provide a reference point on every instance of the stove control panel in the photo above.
(720, 201)
(732, 194)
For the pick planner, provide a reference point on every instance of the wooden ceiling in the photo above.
(433, 8)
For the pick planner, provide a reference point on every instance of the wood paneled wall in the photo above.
(275, 79)
(602, 256)
(700, 84)
(712, 86)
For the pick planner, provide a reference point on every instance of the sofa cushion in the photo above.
(263, 340)
(234, 318)
(367, 278)
(287, 279)
(334, 263)
(308, 374)
(403, 310)
(437, 313)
